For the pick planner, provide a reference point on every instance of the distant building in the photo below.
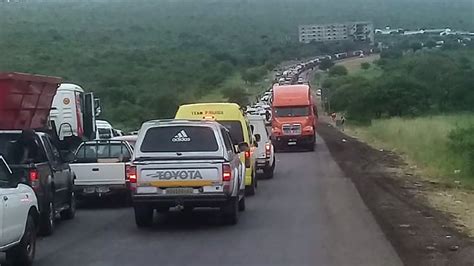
(348, 31)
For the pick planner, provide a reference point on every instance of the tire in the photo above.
(230, 212)
(242, 204)
(24, 253)
(143, 216)
(47, 219)
(268, 171)
(70, 212)
(252, 189)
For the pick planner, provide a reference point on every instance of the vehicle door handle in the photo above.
(5, 198)
(95, 169)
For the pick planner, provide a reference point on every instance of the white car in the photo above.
(19, 218)
(265, 151)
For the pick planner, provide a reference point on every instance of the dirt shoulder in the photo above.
(421, 234)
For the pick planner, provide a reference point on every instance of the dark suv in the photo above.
(36, 160)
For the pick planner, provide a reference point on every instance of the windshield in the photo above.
(235, 129)
(292, 111)
(102, 151)
(105, 133)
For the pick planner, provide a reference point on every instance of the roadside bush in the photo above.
(338, 70)
(326, 64)
(365, 65)
(461, 141)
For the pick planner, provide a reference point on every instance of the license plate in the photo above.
(179, 191)
(292, 143)
(102, 189)
(89, 190)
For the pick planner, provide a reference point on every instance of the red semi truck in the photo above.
(294, 117)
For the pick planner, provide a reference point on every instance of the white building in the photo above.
(350, 31)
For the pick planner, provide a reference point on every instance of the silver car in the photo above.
(186, 164)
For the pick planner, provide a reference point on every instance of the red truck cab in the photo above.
(294, 116)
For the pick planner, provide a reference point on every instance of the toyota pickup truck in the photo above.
(186, 164)
(18, 218)
(100, 168)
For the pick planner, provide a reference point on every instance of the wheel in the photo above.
(47, 217)
(24, 253)
(268, 171)
(242, 204)
(252, 189)
(143, 216)
(70, 212)
(230, 212)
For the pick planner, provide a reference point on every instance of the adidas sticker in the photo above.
(181, 137)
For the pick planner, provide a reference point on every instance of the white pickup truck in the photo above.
(19, 218)
(101, 167)
(187, 165)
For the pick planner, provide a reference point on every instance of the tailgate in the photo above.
(180, 174)
(99, 173)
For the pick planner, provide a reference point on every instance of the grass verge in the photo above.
(424, 143)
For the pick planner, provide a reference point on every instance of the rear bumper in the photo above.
(262, 163)
(100, 189)
(293, 140)
(203, 200)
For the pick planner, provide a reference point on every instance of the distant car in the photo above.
(265, 151)
(318, 92)
(20, 216)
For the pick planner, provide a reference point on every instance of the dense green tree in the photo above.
(326, 64)
(338, 70)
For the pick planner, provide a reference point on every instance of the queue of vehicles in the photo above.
(54, 150)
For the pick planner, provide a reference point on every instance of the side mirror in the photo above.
(258, 138)
(243, 147)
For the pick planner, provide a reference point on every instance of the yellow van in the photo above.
(230, 116)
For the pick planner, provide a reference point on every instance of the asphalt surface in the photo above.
(308, 214)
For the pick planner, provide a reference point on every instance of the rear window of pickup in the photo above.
(91, 152)
(179, 139)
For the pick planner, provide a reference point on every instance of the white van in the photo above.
(104, 130)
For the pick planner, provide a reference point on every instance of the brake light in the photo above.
(268, 149)
(33, 175)
(226, 172)
(247, 159)
(131, 175)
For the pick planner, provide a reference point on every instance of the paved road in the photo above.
(309, 214)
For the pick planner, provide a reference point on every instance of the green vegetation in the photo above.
(431, 82)
(143, 58)
(365, 65)
(400, 104)
(338, 70)
(441, 146)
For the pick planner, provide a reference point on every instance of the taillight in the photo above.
(268, 149)
(226, 172)
(131, 174)
(33, 177)
(247, 159)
